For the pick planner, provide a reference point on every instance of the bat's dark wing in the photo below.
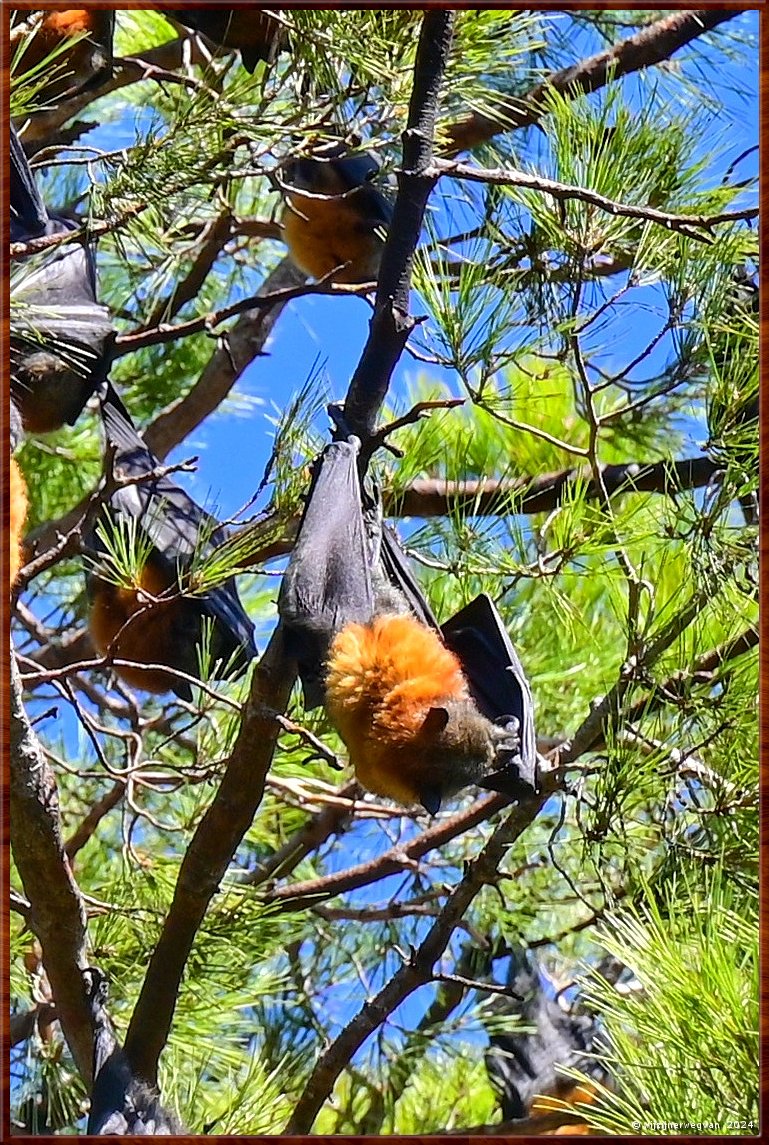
(61, 337)
(256, 35)
(523, 1063)
(327, 583)
(121, 1105)
(359, 171)
(175, 524)
(28, 214)
(397, 570)
(177, 531)
(499, 686)
(55, 306)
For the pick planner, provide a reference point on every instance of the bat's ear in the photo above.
(430, 798)
(435, 722)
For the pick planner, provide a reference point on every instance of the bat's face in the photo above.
(455, 747)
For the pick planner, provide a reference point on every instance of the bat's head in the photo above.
(457, 746)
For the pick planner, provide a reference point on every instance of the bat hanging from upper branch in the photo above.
(423, 710)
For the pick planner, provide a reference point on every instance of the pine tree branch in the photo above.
(689, 225)
(423, 906)
(436, 497)
(701, 673)
(607, 711)
(163, 332)
(391, 323)
(85, 830)
(297, 896)
(418, 970)
(208, 855)
(57, 913)
(237, 349)
(158, 63)
(210, 242)
(652, 45)
(316, 831)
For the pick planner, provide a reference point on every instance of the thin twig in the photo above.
(689, 225)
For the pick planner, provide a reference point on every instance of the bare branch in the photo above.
(419, 968)
(435, 497)
(157, 63)
(244, 342)
(297, 896)
(88, 826)
(166, 332)
(210, 242)
(652, 45)
(502, 177)
(208, 855)
(391, 324)
(57, 914)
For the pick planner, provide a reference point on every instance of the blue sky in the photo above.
(330, 332)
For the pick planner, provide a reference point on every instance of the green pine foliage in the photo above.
(584, 342)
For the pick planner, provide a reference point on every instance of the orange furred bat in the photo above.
(154, 618)
(81, 64)
(423, 711)
(401, 704)
(335, 219)
(130, 620)
(575, 1095)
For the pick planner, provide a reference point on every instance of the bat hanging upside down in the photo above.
(528, 1064)
(423, 711)
(61, 337)
(155, 619)
(335, 218)
(121, 1103)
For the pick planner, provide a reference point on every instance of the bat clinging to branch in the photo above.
(424, 712)
(61, 338)
(156, 618)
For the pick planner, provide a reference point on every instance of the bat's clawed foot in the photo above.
(510, 776)
(507, 737)
(510, 780)
(335, 411)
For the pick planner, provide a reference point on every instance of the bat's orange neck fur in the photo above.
(124, 622)
(396, 664)
(385, 682)
(323, 234)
